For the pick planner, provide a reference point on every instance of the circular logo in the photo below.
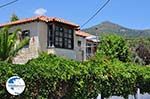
(15, 85)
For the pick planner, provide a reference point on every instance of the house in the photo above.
(52, 35)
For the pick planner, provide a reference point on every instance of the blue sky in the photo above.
(129, 13)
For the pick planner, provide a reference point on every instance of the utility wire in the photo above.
(95, 13)
(9, 3)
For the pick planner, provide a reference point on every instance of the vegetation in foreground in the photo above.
(53, 77)
(10, 44)
(109, 72)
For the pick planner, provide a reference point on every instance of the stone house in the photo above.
(52, 35)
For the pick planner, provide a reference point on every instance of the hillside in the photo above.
(109, 27)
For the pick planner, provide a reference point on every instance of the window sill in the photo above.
(60, 48)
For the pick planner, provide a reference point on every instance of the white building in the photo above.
(52, 35)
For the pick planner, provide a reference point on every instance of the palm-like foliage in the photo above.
(10, 44)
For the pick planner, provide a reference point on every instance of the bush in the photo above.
(140, 48)
(114, 46)
(54, 77)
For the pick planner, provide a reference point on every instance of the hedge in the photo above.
(54, 77)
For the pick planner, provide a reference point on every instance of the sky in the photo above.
(133, 14)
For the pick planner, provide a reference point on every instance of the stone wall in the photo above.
(31, 51)
(28, 53)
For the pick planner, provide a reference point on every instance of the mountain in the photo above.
(109, 28)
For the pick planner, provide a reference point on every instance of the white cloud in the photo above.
(40, 11)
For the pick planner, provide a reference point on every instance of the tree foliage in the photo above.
(140, 48)
(54, 77)
(143, 53)
(14, 17)
(10, 44)
(114, 46)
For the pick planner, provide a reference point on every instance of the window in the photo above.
(95, 48)
(79, 43)
(25, 33)
(58, 37)
(50, 36)
(63, 37)
(88, 49)
(10, 33)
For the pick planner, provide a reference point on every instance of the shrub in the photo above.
(114, 46)
(54, 77)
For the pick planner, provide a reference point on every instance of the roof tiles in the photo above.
(47, 19)
(82, 33)
(41, 18)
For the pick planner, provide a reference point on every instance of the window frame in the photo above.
(67, 41)
(24, 36)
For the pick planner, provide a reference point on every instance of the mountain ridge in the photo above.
(108, 27)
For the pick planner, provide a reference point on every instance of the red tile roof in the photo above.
(82, 33)
(40, 18)
(47, 19)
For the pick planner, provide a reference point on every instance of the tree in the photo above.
(114, 46)
(140, 48)
(10, 44)
(14, 17)
(143, 53)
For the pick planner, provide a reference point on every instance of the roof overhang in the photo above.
(40, 18)
(93, 38)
